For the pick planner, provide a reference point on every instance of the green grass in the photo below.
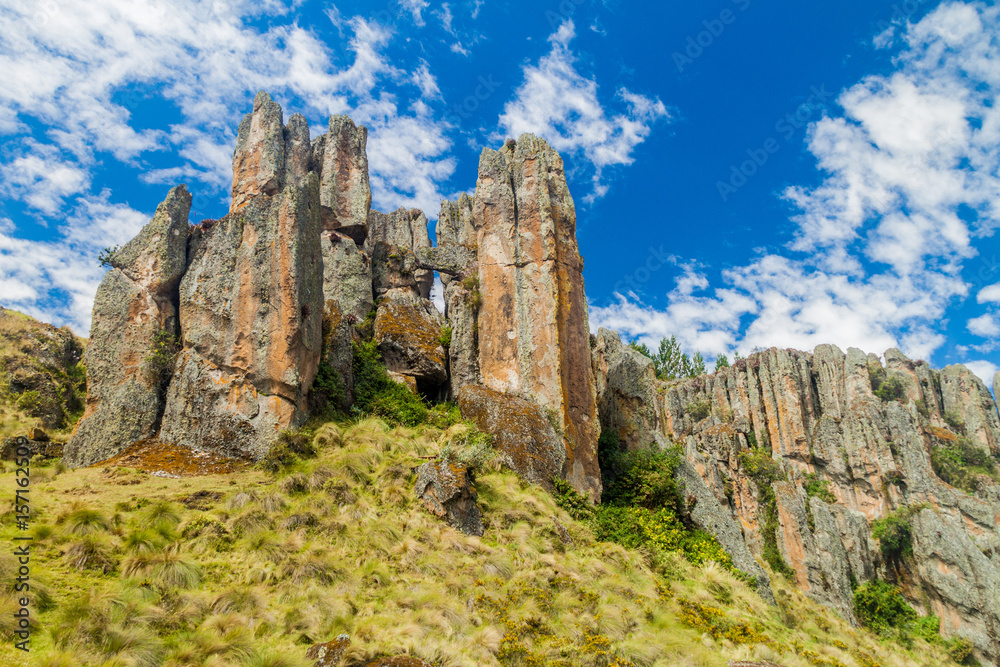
(136, 573)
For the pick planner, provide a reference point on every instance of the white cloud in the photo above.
(424, 80)
(56, 280)
(984, 370)
(990, 294)
(879, 245)
(42, 178)
(562, 106)
(987, 326)
(81, 69)
(415, 8)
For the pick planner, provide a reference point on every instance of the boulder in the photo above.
(251, 309)
(447, 491)
(330, 653)
(522, 432)
(533, 331)
(408, 334)
(133, 312)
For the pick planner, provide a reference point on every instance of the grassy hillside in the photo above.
(41, 376)
(251, 567)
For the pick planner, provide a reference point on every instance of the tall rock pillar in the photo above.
(533, 332)
(133, 312)
(251, 300)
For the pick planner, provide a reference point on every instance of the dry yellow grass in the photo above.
(251, 568)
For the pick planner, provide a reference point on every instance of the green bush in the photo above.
(894, 533)
(962, 464)
(643, 478)
(445, 339)
(327, 390)
(891, 389)
(29, 401)
(960, 650)
(159, 363)
(881, 608)
(378, 394)
(819, 488)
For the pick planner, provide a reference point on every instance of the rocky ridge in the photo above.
(818, 419)
(211, 337)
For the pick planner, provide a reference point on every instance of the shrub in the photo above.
(159, 363)
(699, 410)
(894, 533)
(575, 504)
(644, 478)
(378, 394)
(819, 488)
(960, 650)
(891, 389)
(106, 257)
(328, 389)
(881, 608)
(445, 339)
(962, 464)
(29, 401)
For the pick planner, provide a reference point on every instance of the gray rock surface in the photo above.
(341, 159)
(521, 430)
(133, 310)
(626, 392)
(251, 308)
(447, 491)
(818, 417)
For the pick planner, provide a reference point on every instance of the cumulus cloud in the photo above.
(561, 105)
(910, 188)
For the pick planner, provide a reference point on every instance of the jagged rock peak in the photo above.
(852, 441)
(341, 157)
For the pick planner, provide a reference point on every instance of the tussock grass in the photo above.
(339, 544)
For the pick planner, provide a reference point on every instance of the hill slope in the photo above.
(252, 567)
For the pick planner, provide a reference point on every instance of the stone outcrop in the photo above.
(626, 391)
(458, 264)
(251, 311)
(447, 491)
(133, 312)
(533, 335)
(393, 239)
(521, 429)
(818, 418)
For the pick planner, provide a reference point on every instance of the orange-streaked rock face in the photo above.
(849, 457)
(533, 334)
(251, 309)
(259, 159)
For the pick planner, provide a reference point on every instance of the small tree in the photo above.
(722, 361)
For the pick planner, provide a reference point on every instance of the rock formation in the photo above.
(447, 491)
(533, 331)
(134, 311)
(817, 417)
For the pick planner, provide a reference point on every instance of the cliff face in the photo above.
(844, 458)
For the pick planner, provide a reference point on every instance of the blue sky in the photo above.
(746, 174)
